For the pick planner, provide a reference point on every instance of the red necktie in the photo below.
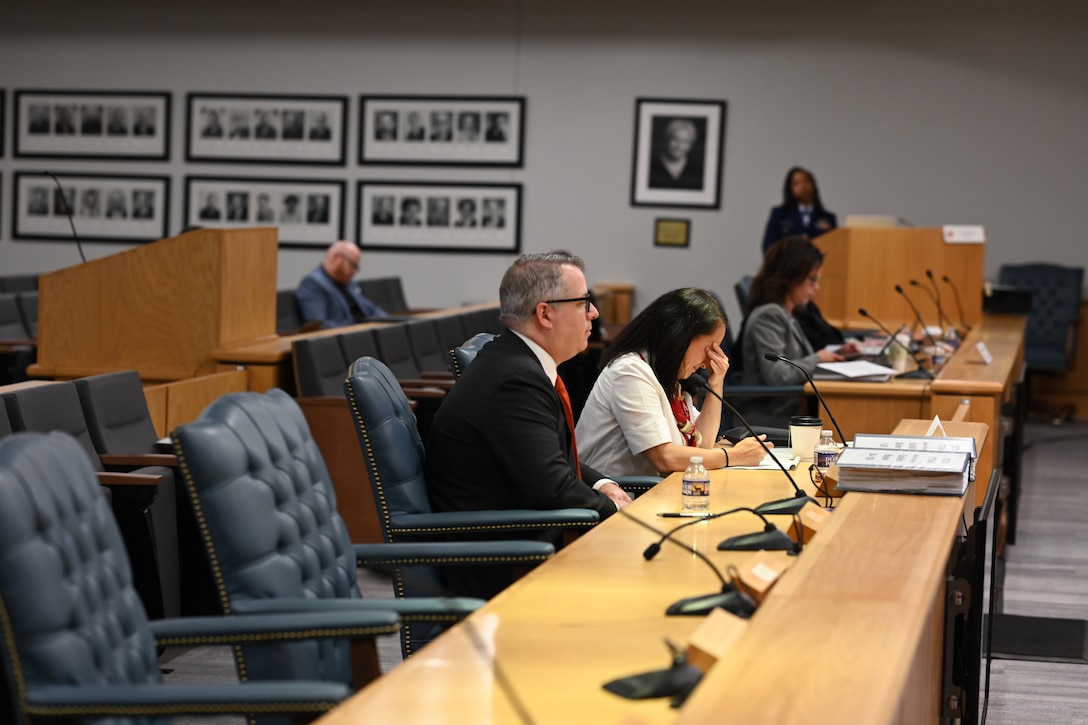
(568, 413)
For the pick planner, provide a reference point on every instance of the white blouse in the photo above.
(627, 413)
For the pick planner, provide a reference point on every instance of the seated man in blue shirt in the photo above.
(328, 295)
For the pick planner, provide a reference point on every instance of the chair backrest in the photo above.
(741, 289)
(288, 319)
(451, 331)
(28, 308)
(5, 424)
(116, 412)
(71, 614)
(266, 508)
(19, 283)
(395, 350)
(51, 407)
(462, 355)
(11, 320)
(386, 292)
(354, 345)
(485, 320)
(429, 354)
(1055, 306)
(390, 441)
(320, 366)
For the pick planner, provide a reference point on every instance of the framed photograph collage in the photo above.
(439, 217)
(284, 130)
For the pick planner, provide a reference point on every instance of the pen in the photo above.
(685, 514)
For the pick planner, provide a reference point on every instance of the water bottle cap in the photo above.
(696, 459)
(825, 433)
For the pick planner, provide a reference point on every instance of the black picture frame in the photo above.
(266, 128)
(112, 125)
(104, 207)
(417, 216)
(442, 130)
(672, 232)
(307, 212)
(692, 178)
(3, 120)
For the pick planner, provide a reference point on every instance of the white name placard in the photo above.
(964, 233)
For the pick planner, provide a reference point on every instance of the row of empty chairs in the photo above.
(19, 283)
(416, 351)
(18, 334)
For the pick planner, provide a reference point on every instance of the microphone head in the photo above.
(770, 356)
(915, 283)
(651, 551)
(862, 312)
(899, 289)
(929, 273)
(945, 277)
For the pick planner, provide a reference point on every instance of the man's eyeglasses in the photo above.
(587, 300)
(354, 264)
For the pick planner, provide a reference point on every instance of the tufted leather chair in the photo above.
(461, 356)
(77, 642)
(1050, 339)
(267, 508)
(56, 407)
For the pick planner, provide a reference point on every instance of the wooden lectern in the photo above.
(863, 266)
(159, 308)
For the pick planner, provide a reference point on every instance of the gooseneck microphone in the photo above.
(770, 539)
(68, 212)
(933, 298)
(772, 357)
(780, 506)
(956, 296)
(917, 314)
(941, 316)
(920, 372)
(731, 599)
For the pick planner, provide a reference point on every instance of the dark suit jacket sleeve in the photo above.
(523, 436)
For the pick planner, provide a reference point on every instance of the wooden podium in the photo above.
(159, 308)
(862, 267)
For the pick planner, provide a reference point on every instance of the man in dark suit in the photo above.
(328, 295)
(500, 439)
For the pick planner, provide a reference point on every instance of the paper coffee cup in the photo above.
(805, 435)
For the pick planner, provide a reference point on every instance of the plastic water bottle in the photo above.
(825, 455)
(695, 491)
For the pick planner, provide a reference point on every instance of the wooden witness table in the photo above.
(870, 407)
(851, 633)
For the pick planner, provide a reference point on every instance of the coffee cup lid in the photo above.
(806, 420)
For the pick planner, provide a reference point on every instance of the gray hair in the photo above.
(530, 280)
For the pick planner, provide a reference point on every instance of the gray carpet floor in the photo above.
(1046, 576)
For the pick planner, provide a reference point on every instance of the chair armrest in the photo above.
(303, 624)
(419, 389)
(426, 382)
(453, 553)
(168, 460)
(503, 520)
(289, 696)
(416, 609)
(110, 478)
(638, 484)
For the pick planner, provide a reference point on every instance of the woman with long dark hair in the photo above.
(802, 213)
(786, 283)
(638, 419)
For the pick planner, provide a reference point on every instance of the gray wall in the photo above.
(972, 114)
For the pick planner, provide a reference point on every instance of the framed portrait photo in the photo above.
(92, 125)
(678, 153)
(442, 130)
(266, 129)
(307, 213)
(104, 207)
(404, 216)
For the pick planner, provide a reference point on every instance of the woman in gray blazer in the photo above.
(787, 281)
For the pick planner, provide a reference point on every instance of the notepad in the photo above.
(857, 370)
